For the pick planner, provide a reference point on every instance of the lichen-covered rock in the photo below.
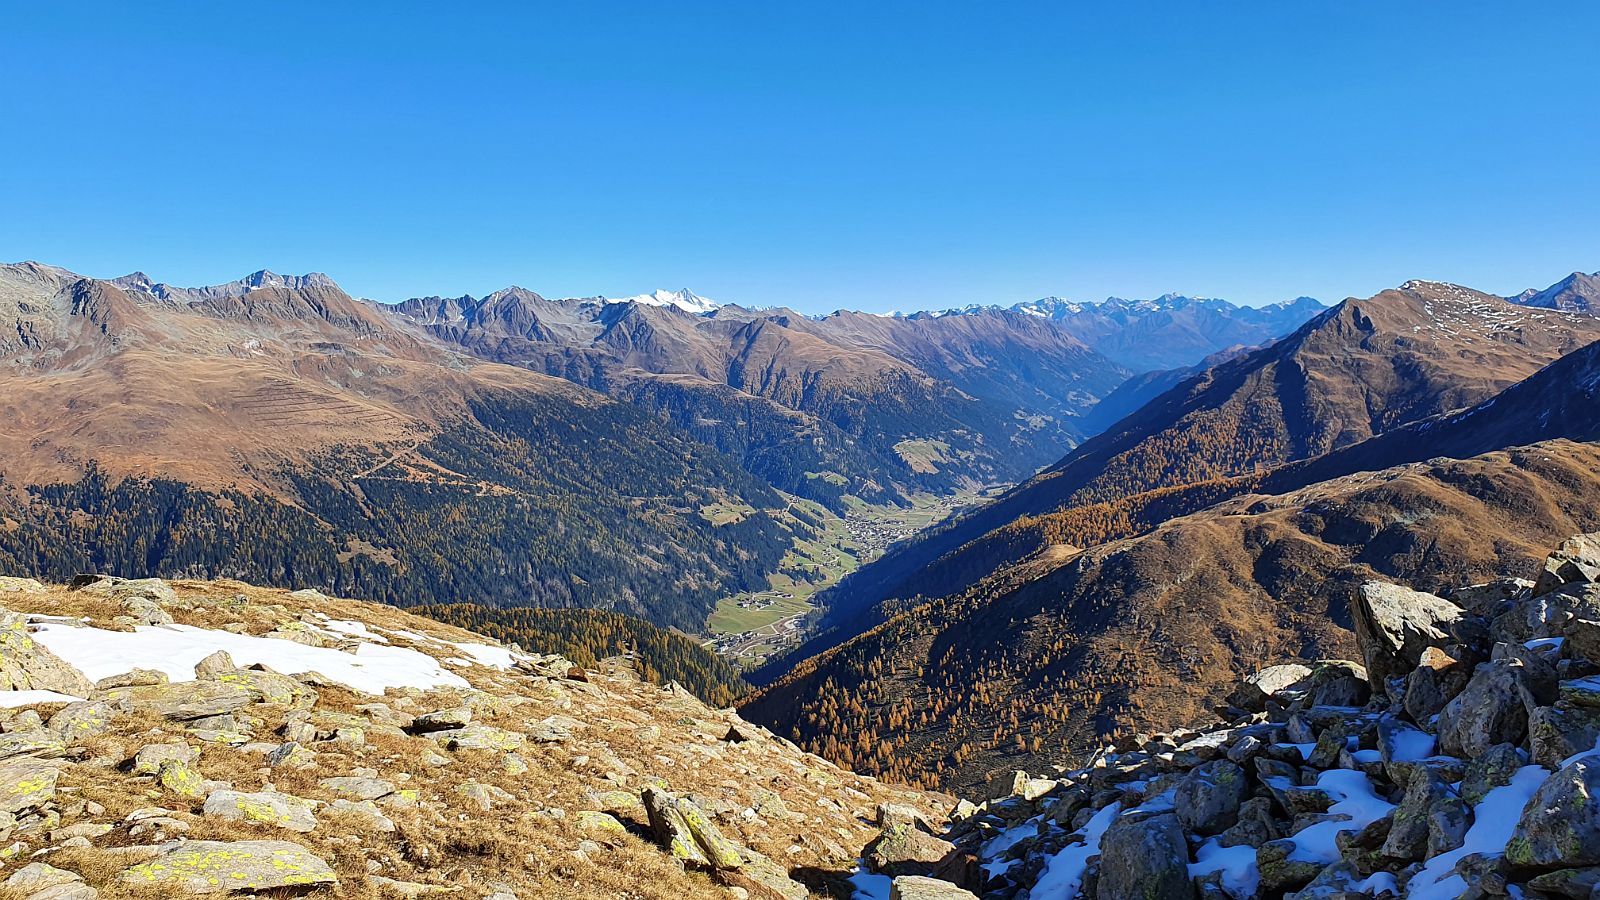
(216, 867)
(1253, 693)
(1436, 680)
(178, 777)
(1576, 560)
(1145, 860)
(1337, 682)
(920, 887)
(1560, 826)
(358, 787)
(1207, 801)
(1408, 833)
(77, 721)
(479, 737)
(1491, 769)
(1558, 732)
(269, 808)
(27, 784)
(1280, 872)
(904, 849)
(687, 833)
(184, 700)
(132, 678)
(1493, 709)
(27, 665)
(762, 879)
(149, 759)
(269, 687)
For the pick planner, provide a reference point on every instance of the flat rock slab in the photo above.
(214, 867)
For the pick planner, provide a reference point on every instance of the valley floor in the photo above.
(748, 628)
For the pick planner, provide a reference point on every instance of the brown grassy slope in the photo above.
(217, 391)
(1149, 631)
(1360, 369)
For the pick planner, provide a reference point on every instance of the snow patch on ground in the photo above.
(15, 699)
(175, 649)
(1240, 878)
(1493, 821)
(1062, 878)
(488, 655)
(1354, 797)
(867, 886)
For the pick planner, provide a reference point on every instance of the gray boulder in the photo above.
(1560, 826)
(1493, 709)
(210, 867)
(1145, 860)
(1489, 770)
(919, 887)
(1394, 625)
(1253, 693)
(1560, 731)
(1576, 560)
(1436, 680)
(1207, 800)
(268, 808)
(26, 664)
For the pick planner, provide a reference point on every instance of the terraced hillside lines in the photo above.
(284, 404)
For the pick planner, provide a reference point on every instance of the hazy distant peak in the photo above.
(1577, 292)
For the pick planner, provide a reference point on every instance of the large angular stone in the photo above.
(184, 700)
(1576, 560)
(905, 849)
(218, 867)
(1394, 625)
(1493, 709)
(687, 833)
(26, 785)
(1436, 680)
(1145, 860)
(1561, 731)
(27, 665)
(1207, 800)
(1252, 694)
(1560, 826)
(919, 887)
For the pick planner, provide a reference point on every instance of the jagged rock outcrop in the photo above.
(1468, 770)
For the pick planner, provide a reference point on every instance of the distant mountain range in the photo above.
(1219, 526)
(276, 429)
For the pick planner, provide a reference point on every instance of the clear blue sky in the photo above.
(870, 155)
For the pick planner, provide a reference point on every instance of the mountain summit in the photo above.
(684, 299)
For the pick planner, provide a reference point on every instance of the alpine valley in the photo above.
(1188, 599)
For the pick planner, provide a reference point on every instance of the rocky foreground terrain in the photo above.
(198, 738)
(1460, 757)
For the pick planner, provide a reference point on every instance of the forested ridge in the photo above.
(587, 636)
(527, 503)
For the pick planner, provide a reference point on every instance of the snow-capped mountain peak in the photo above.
(684, 299)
